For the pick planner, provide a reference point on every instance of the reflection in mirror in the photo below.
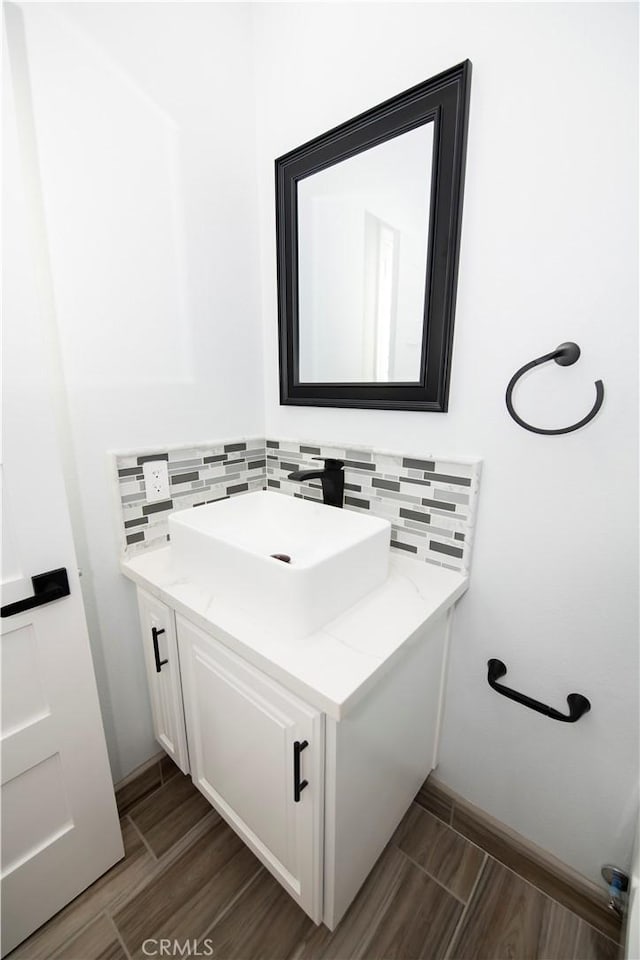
(363, 229)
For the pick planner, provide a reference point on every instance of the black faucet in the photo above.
(332, 479)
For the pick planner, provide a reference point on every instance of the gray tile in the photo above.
(458, 536)
(127, 472)
(135, 537)
(359, 465)
(218, 458)
(451, 496)
(445, 548)
(132, 498)
(151, 457)
(414, 532)
(136, 523)
(427, 528)
(312, 450)
(450, 516)
(404, 546)
(391, 495)
(410, 463)
(223, 478)
(415, 515)
(447, 478)
(414, 480)
(437, 503)
(233, 447)
(272, 444)
(175, 466)
(385, 484)
(358, 455)
(158, 507)
(185, 477)
(254, 464)
(355, 502)
(238, 488)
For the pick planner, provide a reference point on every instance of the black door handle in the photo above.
(52, 585)
(298, 785)
(155, 633)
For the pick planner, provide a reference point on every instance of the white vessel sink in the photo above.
(336, 557)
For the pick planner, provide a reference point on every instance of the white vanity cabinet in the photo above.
(313, 750)
(257, 754)
(157, 623)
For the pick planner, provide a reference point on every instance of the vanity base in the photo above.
(377, 758)
(312, 752)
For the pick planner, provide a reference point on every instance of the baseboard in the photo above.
(143, 781)
(139, 771)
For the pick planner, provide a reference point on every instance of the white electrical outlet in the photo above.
(156, 480)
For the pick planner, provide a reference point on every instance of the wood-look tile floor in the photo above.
(188, 880)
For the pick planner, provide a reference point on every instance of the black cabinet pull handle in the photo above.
(578, 705)
(298, 785)
(155, 633)
(52, 585)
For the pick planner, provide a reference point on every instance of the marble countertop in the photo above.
(334, 667)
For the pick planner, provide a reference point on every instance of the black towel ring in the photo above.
(565, 355)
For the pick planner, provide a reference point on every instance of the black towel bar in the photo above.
(578, 705)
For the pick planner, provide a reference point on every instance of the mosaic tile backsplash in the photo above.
(430, 502)
(197, 475)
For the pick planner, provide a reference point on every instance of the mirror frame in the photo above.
(443, 99)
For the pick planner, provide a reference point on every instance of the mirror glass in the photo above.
(363, 231)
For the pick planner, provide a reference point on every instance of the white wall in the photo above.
(549, 253)
(144, 120)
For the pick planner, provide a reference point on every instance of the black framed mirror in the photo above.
(368, 219)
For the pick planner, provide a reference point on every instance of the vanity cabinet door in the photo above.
(163, 675)
(257, 754)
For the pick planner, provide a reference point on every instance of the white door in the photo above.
(60, 828)
(257, 754)
(157, 622)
